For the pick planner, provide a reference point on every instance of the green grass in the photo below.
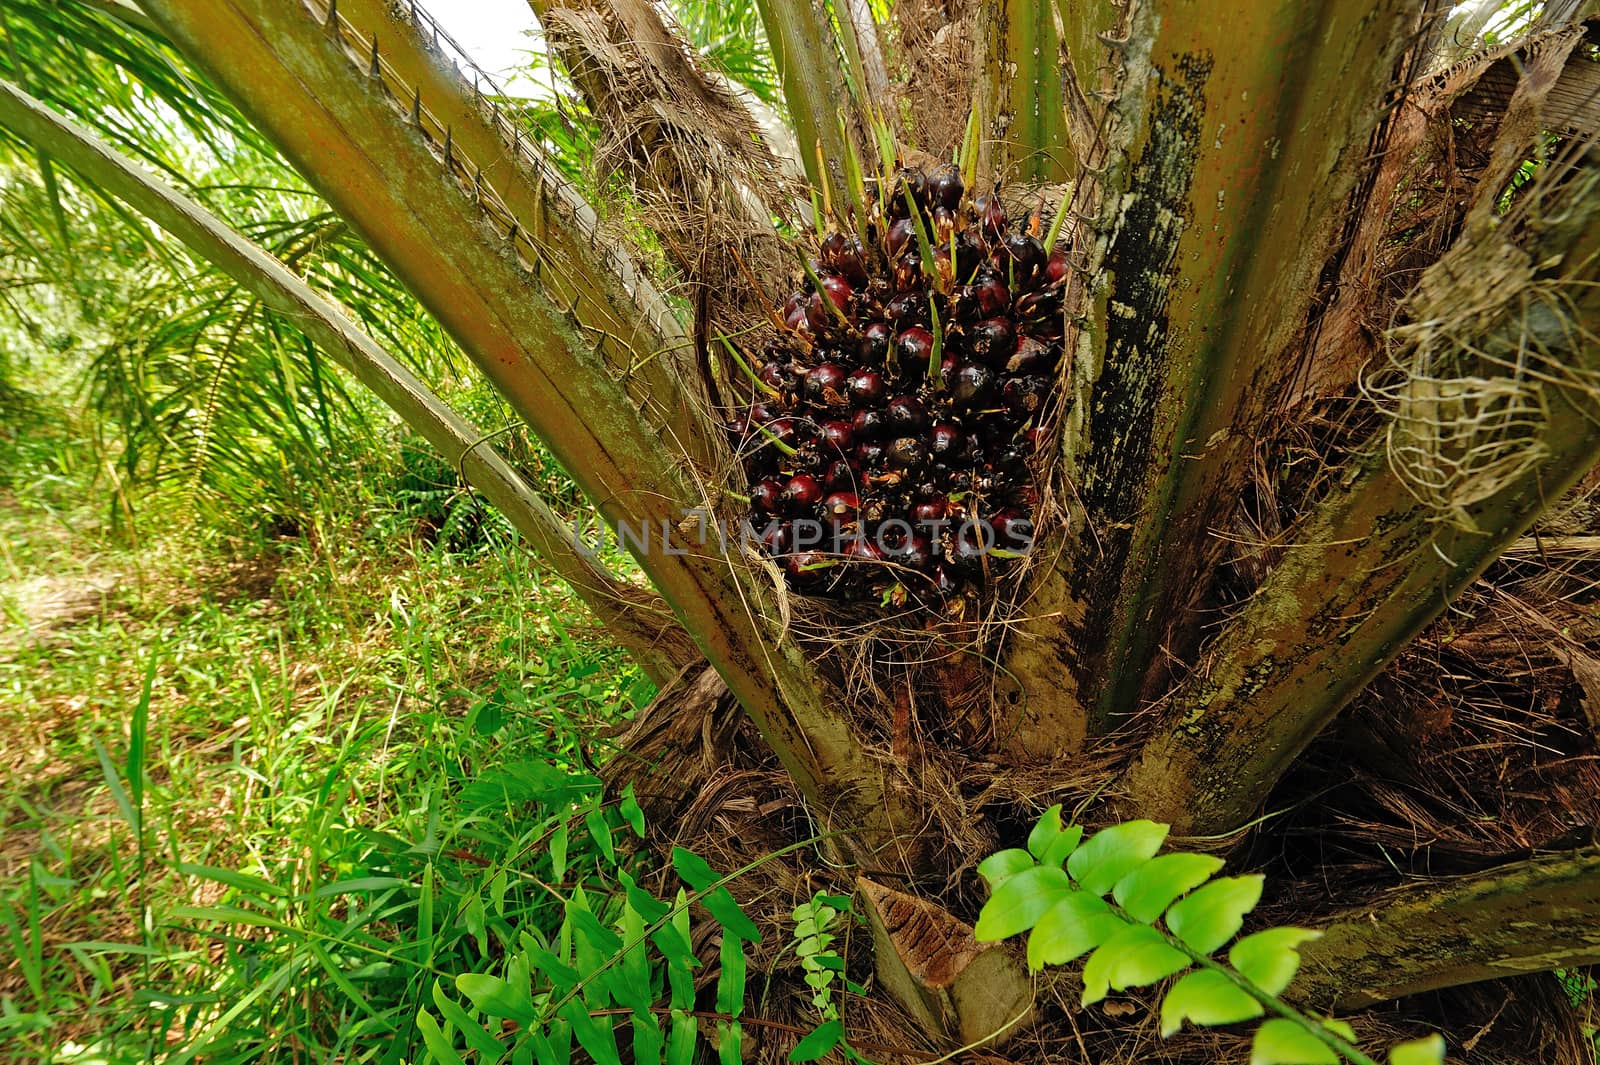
(255, 797)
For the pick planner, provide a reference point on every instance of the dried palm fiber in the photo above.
(705, 178)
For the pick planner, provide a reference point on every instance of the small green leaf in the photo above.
(1429, 1051)
(730, 982)
(1212, 915)
(1062, 846)
(821, 1040)
(1045, 832)
(1113, 853)
(997, 867)
(1342, 1029)
(718, 902)
(488, 1048)
(594, 1035)
(645, 904)
(1147, 891)
(1134, 957)
(721, 905)
(696, 872)
(1019, 902)
(681, 1042)
(494, 996)
(558, 851)
(1207, 998)
(439, 1048)
(631, 812)
(600, 832)
(1070, 929)
(1269, 958)
(1281, 1042)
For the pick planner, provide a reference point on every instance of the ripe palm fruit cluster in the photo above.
(890, 439)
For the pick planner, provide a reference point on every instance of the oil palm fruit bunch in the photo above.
(895, 415)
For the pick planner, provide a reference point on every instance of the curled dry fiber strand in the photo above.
(1465, 416)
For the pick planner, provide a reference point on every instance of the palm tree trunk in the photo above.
(1375, 563)
(1221, 162)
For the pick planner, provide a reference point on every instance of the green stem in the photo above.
(804, 46)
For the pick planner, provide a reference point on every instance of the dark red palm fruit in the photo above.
(1033, 356)
(757, 461)
(802, 491)
(946, 585)
(839, 435)
(944, 227)
(929, 512)
(947, 444)
(972, 386)
(1024, 395)
(1040, 305)
(865, 388)
(914, 181)
(776, 537)
(908, 272)
(852, 263)
(993, 341)
(825, 383)
(817, 315)
(945, 187)
(907, 454)
(777, 375)
(766, 495)
(841, 506)
(797, 319)
(971, 251)
(990, 293)
(1056, 267)
(918, 552)
(831, 248)
(949, 363)
(970, 544)
(762, 413)
(860, 548)
(806, 570)
(914, 347)
(906, 414)
(1027, 258)
(838, 290)
(991, 215)
(869, 423)
(839, 475)
(1013, 529)
(1010, 461)
(869, 453)
(899, 237)
(875, 341)
(784, 430)
(908, 309)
